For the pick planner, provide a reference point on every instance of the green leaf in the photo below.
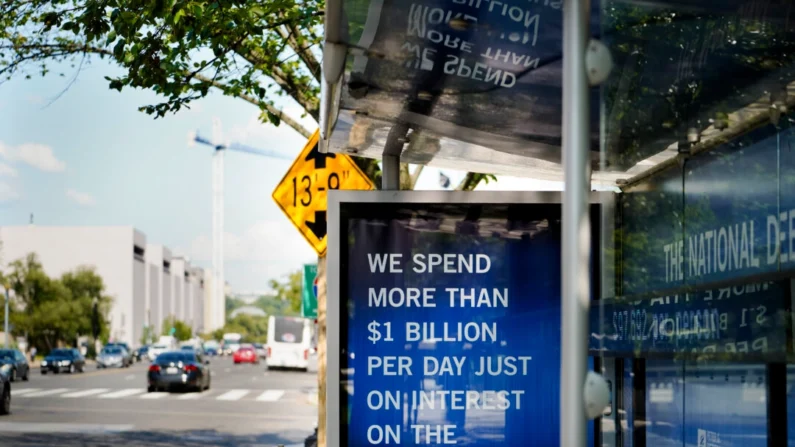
(118, 50)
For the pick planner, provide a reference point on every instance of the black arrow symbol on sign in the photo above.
(318, 227)
(320, 159)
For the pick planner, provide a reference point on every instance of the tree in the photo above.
(182, 331)
(55, 311)
(252, 50)
(289, 291)
(87, 288)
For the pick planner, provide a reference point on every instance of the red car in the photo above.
(246, 354)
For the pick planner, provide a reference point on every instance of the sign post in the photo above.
(302, 192)
(309, 292)
(445, 317)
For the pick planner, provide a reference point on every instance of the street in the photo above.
(245, 406)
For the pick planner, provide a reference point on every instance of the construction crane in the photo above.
(219, 147)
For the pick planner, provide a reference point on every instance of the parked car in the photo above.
(212, 348)
(5, 397)
(15, 363)
(195, 348)
(141, 353)
(123, 345)
(261, 351)
(246, 354)
(112, 357)
(63, 359)
(179, 369)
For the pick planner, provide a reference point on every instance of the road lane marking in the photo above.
(271, 396)
(123, 393)
(41, 427)
(45, 392)
(15, 393)
(85, 393)
(193, 396)
(154, 395)
(232, 395)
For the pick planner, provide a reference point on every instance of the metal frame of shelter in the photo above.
(576, 228)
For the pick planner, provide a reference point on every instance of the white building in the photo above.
(158, 283)
(116, 253)
(146, 282)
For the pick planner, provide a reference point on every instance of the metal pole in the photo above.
(576, 228)
(5, 323)
(390, 167)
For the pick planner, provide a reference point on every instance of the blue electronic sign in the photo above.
(451, 325)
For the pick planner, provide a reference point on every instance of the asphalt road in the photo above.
(245, 406)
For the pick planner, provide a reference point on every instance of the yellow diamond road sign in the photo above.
(302, 193)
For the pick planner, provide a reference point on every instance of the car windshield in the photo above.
(6, 354)
(289, 330)
(61, 353)
(112, 351)
(159, 347)
(188, 348)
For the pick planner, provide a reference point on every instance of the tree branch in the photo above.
(282, 116)
(304, 54)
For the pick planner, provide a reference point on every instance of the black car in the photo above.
(15, 363)
(179, 369)
(5, 394)
(63, 359)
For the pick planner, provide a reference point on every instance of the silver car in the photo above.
(113, 357)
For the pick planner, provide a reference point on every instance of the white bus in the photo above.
(291, 342)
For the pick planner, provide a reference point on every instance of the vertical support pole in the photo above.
(576, 227)
(390, 166)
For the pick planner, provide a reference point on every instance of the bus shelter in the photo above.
(680, 106)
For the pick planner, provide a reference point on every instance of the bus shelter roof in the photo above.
(477, 83)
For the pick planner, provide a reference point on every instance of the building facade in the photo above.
(147, 283)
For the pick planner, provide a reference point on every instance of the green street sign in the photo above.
(309, 292)
(173, 330)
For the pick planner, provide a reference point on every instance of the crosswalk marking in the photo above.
(232, 395)
(106, 393)
(85, 393)
(193, 396)
(24, 391)
(123, 393)
(154, 395)
(271, 396)
(45, 392)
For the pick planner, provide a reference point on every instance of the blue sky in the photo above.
(91, 158)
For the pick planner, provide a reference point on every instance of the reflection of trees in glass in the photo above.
(671, 65)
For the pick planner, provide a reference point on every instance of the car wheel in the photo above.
(13, 376)
(151, 389)
(26, 376)
(5, 407)
(43, 372)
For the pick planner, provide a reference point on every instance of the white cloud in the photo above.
(80, 198)
(265, 241)
(7, 192)
(7, 171)
(36, 99)
(39, 156)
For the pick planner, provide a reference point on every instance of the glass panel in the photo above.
(699, 330)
